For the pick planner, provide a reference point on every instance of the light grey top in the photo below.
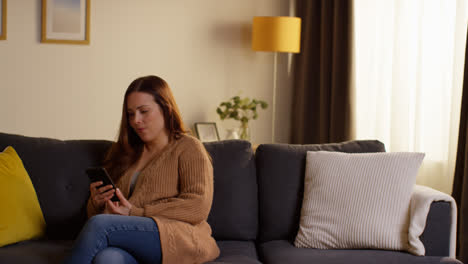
(132, 183)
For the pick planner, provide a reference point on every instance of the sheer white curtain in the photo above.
(409, 58)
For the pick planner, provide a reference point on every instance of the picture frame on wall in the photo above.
(3, 19)
(65, 21)
(207, 131)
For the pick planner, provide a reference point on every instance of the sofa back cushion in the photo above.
(57, 171)
(234, 213)
(280, 172)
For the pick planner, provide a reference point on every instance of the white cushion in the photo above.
(358, 200)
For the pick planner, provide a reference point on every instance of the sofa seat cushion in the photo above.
(54, 251)
(283, 251)
(36, 251)
(237, 252)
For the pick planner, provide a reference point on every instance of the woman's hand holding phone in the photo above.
(122, 207)
(100, 195)
(106, 198)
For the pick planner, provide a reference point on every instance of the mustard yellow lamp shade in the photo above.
(278, 34)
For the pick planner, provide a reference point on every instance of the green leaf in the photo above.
(240, 109)
(233, 114)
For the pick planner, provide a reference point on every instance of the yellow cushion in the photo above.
(21, 216)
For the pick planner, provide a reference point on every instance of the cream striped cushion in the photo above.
(357, 200)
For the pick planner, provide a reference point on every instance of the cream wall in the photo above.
(201, 48)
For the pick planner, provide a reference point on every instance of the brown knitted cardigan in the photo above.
(176, 190)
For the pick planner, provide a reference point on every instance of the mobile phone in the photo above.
(100, 174)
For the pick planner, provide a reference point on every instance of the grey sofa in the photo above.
(255, 212)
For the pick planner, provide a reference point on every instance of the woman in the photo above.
(164, 182)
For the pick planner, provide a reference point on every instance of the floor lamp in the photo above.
(276, 34)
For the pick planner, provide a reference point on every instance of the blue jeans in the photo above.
(117, 239)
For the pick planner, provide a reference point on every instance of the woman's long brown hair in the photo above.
(129, 146)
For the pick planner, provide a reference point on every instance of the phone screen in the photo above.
(100, 174)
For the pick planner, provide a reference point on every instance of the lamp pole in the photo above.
(273, 115)
(277, 34)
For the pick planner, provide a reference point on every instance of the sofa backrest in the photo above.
(57, 171)
(234, 213)
(280, 172)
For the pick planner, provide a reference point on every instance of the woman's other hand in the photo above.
(99, 196)
(122, 207)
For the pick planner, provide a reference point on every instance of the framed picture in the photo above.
(65, 21)
(3, 19)
(207, 131)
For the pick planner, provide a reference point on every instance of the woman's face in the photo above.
(145, 116)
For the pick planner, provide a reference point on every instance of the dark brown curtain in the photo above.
(322, 89)
(460, 182)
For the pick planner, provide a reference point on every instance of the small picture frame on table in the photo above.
(207, 131)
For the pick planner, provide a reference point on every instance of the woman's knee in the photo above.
(114, 255)
(98, 222)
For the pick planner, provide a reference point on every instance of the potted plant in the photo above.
(241, 109)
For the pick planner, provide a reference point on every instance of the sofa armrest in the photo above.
(436, 235)
(434, 213)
